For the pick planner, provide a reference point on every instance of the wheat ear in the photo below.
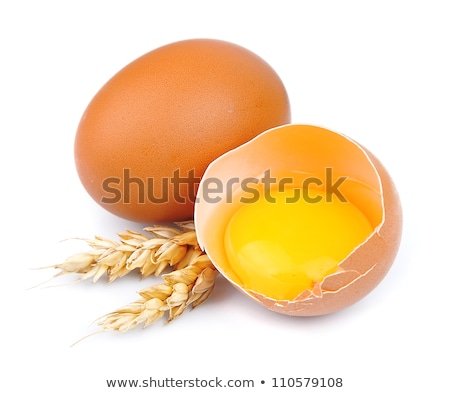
(189, 285)
(166, 246)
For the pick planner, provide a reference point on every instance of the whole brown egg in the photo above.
(147, 136)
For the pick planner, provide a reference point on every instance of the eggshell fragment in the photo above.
(306, 150)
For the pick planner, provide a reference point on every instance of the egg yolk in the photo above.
(279, 249)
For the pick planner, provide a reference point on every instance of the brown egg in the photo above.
(147, 136)
(302, 219)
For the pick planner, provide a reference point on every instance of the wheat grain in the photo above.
(150, 254)
(189, 285)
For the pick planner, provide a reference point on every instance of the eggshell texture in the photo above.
(147, 136)
(307, 150)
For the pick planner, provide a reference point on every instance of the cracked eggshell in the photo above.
(308, 149)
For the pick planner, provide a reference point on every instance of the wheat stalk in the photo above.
(165, 247)
(190, 285)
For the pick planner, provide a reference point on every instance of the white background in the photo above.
(375, 71)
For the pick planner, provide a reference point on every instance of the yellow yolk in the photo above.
(280, 249)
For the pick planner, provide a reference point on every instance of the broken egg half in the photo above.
(302, 219)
